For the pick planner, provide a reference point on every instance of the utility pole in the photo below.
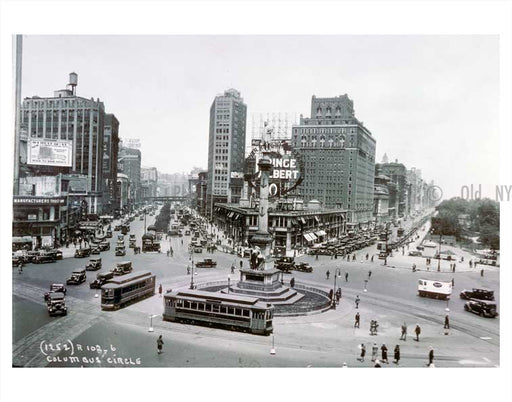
(17, 121)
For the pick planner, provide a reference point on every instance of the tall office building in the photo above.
(226, 148)
(110, 154)
(64, 134)
(339, 157)
(397, 172)
(129, 163)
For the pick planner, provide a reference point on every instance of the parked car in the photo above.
(303, 267)
(197, 249)
(480, 294)
(415, 253)
(56, 253)
(55, 287)
(285, 264)
(44, 258)
(77, 277)
(56, 304)
(104, 245)
(421, 248)
(122, 268)
(117, 228)
(120, 251)
(82, 252)
(101, 279)
(382, 255)
(430, 244)
(120, 237)
(206, 263)
(96, 250)
(94, 264)
(483, 308)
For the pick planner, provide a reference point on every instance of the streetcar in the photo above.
(227, 311)
(125, 289)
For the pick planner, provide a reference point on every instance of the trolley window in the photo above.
(245, 313)
(216, 308)
(231, 310)
(193, 306)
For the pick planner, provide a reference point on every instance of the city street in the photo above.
(327, 339)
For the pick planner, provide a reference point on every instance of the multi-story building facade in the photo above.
(397, 173)
(226, 148)
(129, 163)
(339, 157)
(149, 182)
(64, 134)
(110, 155)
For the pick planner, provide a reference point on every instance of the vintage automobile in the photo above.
(96, 250)
(56, 253)
(303, 267)
(480, 294)
(132, 243)
(141, 218)
(82, 252)
(120, 237)
(94, 264)
(206, 263)
(120, 251)
(285, 264)
(101, 279)
(16, 260)
(483, 308)
(104, 245)
(420, 248)
(382, 255)
(77, 277)
(122, 268)
(117, 228)
(44, 258)
(125, 229)
(197, 249)
(56, 304)
(109, 234)
(55, 287)
(415, 253)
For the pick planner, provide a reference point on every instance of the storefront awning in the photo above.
(313, 237)
(230, 214)
(303, 221)
(22, 239)
(307, 237)
(320, 233)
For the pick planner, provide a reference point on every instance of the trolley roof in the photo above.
(127, 279)
(201, 295)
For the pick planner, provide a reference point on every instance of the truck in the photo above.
(434, 289)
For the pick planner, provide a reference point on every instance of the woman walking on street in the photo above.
(159, 344)
(397, 354)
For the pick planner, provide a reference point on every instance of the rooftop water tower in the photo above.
(73, 82)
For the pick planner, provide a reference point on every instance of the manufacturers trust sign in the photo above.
(39, 201)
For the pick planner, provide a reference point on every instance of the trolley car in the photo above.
(125, 289)
(228, 311)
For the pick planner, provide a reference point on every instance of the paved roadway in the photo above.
(319, 340)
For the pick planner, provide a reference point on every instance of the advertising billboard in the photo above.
(50, 152)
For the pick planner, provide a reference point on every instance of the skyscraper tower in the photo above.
(226, 148)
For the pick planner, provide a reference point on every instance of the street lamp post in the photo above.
(439, 261)
(337, 273)
(151, 322)
(386, 251)
(192, 275)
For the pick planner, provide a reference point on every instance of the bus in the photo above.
(125, 289)
(227, 311)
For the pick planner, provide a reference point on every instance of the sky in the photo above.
(429, 101)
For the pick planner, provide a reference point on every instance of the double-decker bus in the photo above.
(125, 289)
(228, 311)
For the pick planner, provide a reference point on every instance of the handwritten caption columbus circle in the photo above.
(79, 354)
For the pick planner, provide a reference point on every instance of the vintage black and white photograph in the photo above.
(255, 201)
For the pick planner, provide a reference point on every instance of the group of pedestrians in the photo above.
(384, 355)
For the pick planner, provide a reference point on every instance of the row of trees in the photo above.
(163, 218)
(462, 218)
